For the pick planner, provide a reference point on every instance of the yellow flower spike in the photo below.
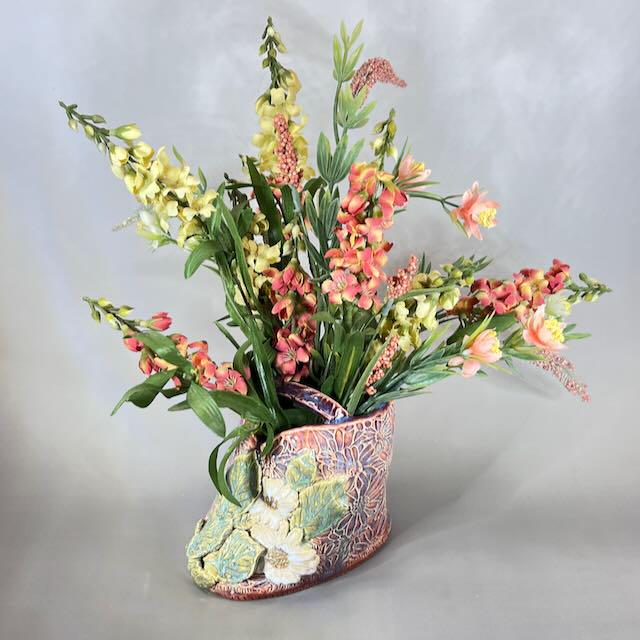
(277, 96)
(127, 132)
(143, 153)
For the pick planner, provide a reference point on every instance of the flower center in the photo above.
(487, 218)
(555, 328)
(270, 502)
(277, 558)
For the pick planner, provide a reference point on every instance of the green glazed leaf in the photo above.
(205, 407)
(243, 478)
(143, 394)
(321, 506)
(301, 470)
(236, 559)
(215, 530)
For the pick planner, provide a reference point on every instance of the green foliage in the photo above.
(205, 407)
(143, 394)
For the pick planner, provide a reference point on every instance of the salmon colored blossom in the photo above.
(544, 333)
(485, 349)
(411, 173)
(292, 355)
(342, 286)
(475, 211)
(160, 321)
(228, 379)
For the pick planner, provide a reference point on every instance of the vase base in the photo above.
(258, 588)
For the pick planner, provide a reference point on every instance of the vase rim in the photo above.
(335, 425)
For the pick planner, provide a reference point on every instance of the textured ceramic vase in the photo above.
(312, 509)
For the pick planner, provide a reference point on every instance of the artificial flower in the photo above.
(276, 504)
(544, 333)
(475, 211)
(287, 558)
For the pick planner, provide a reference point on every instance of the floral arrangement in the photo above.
(302, 256)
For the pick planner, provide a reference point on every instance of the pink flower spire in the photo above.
(372, 71)
(288, 172)
(562, 369)
(401, 282)
(363, 217)
(382, 365)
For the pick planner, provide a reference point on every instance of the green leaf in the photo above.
(143, 394)
(321, 506)
(243, 478)
(288, 206)
(323, 316)
(266, 202)
(358, 390)
(164, 347)
(237, 558)
(205, 407)
(246, 407)
(324, 157)
(180, 406)
(576, 336)
(302, 469)
(351, 355)
(354, 152)
(201, 253)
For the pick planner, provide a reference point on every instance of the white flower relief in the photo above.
(277, 502)
(287, 558)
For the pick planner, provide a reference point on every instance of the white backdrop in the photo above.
(515, 507)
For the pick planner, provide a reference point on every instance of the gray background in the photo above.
(515, 506)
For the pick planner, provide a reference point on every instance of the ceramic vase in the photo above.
(309, 511)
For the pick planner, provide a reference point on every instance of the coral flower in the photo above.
(133, 344)
(228, 379)
(292, 351)
(160, 321)
(342, 286)
(545, 333)
(475, 211)
(485, 349)
(412, 173)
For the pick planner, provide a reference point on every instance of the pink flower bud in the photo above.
(160, 321)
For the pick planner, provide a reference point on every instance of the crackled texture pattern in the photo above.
(359, 449)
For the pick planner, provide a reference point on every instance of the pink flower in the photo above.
(292, 351)
(133, 344)
(228, 379)
(342, 286)
(501, 296)
(181, 343)
(283, 308)
(545, 333)
(160, 321)
(485, 349)
(372, 71)
(475, 211)
(412, 173)
(146, 362)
